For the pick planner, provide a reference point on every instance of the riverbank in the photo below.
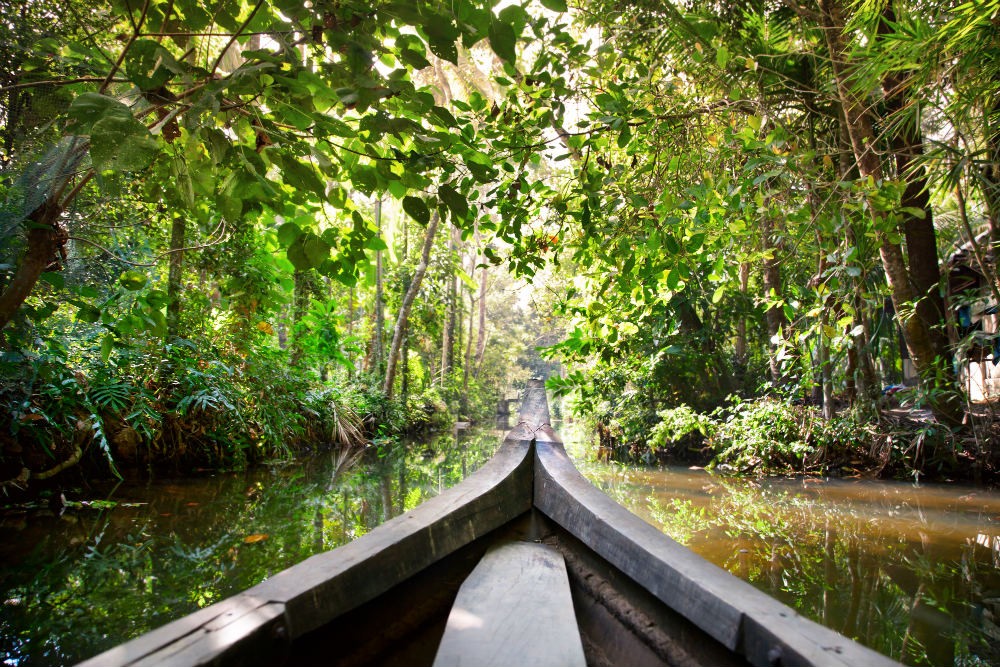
(770, 436)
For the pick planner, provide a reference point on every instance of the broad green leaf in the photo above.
(52, 278)
(150, 66)
(467, 279)
(441, 37)
(121, 144)
(133, 280)
(88, 313)
(316, 250)
(288, 233)
(624, 136)
(458, 204)
(719, 292)
(555, 5)
(296, 254)
(503, 40)
(107, 345)
(376, 243)
(88, 108)
(417, 209)
(303, 177)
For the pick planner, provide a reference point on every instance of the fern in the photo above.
(102, 441)
(116, 396)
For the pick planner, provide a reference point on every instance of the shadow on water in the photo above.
(74, 584)
(911, 571)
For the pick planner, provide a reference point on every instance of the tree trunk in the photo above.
(863, 142)
(41, 251)
(775, 315)
(481, 340)
(300, 306)
(404, 308)
(175, 274)
(921, 238)
(448, 337)
(377, 342)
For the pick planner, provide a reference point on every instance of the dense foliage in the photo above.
(230, 226)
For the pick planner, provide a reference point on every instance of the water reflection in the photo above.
(910, 571)
(77, 583)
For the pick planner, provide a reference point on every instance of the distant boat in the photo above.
(523, 563)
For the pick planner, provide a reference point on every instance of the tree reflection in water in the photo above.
(76, 584)
(909, 571)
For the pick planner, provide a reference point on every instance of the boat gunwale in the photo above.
(741, 617)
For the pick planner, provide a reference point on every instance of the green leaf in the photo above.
(302, 176)
(150, 66)
(503, 40)
(695, 242)
(121, 144)
(467, 279)
(88, 314)
(376, 243)
(89, 108)
(316, 250)
(720, 291)
(624, 136)
(458, 204)
(555, 5)
(417, 209)
(480, 172)
(55, 279)
(107, 345)
(441, 37)
(133, 280)
(288, 233)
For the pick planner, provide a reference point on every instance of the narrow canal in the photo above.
(911, 571)
(76, 581)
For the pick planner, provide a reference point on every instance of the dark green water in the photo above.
(75, 584)
(911, 571)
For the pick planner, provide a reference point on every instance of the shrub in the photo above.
(680, 433)
(766, 432)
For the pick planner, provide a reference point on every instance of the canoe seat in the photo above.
(513, 609)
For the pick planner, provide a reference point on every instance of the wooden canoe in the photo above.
(555, 573)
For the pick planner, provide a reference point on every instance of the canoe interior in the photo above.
(620, 622)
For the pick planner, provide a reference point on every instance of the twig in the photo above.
(131, 41)
(239, 31)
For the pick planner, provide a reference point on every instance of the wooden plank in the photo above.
(514, 609)
(730, 610)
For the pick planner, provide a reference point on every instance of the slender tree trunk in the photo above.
(742, 346)
(175, 274)
(404, 308)
(300, 306)
(448, 337)
(377, 342)
(775, 315)
(863, 143)
(481, 340)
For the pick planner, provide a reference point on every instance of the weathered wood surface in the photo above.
(514, 609)
(739, 616)
(327, 585)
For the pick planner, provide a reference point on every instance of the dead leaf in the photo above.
(252, 539)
